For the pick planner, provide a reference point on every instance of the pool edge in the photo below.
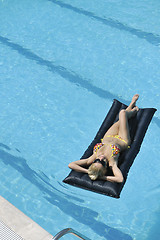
(21, 224)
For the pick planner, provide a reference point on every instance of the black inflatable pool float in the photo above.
(138, 127)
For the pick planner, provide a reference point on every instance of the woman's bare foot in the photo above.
(133, 112)
(135, 109)
(133, 102)
(134, 99)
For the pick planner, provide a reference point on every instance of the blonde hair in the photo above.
(95, 172)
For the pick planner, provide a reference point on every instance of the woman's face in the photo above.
(100, 167)
(102, 157)
(100, 162)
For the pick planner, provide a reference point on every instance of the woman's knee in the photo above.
(122, 113)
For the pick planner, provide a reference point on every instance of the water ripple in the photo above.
(64, 202)
(62, 71)
(149, 37)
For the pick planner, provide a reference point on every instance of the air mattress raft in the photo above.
(138, 127)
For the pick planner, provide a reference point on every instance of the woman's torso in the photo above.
(111, 148)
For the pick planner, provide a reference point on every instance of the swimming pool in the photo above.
(62, 63)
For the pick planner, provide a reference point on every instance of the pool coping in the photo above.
(20, 224)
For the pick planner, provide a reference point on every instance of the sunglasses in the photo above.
(104, 164)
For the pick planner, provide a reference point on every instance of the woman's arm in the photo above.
(79, 165)
(118, 177)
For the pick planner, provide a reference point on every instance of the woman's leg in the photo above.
(133, 102)
(124, 116)
(115, 128)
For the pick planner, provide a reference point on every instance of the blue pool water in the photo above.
(61, 65)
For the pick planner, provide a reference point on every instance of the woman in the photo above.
(115, 140)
